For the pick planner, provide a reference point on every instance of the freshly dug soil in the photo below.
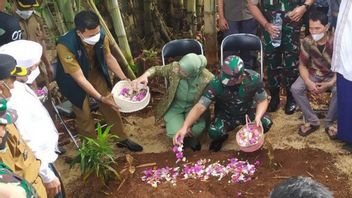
(313, 163)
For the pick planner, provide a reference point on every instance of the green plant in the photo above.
(97, 156)
(149, 55)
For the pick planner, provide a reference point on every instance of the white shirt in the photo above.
(342, 54)
(35, 126)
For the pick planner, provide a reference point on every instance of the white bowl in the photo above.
(127, 106)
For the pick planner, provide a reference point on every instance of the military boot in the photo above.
(275, 99)
(290, 106)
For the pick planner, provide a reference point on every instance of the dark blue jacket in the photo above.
(67, 85)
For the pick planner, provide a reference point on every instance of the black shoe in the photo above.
(275, 100)
(216, 145)
(130, 145)
(60, 150)
(290, 104)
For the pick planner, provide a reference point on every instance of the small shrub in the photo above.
(97, 156)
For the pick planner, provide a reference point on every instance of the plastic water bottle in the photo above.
(277, 22)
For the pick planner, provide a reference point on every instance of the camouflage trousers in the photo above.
(282, 62)
(17, 183)
(225, 123)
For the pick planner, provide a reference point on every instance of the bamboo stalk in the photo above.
(199, 13)
(148, 23)
(66, 9)
(176, 11)
(161, 24)
(115, 50)
(53, 8)
(210, 34)
(191, 16)
(114, 11)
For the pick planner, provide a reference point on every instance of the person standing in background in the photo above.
(342, 64)
(282, 61)
(234, 18)
(31, 24)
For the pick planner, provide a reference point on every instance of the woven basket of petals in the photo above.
(250, 137)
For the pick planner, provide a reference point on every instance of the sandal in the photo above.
(347, 147)
(331, 131)
(307, 129)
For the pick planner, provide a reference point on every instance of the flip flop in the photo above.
(331, 130)
(347, 147)
(307, 129)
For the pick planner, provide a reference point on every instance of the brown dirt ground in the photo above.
(315, 156)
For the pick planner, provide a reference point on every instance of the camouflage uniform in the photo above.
(8, 177)
(283, 59)
(233, 102)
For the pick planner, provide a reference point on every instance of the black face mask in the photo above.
(4, 140)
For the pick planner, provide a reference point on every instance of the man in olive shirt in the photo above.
(234, 18)
(84, 60)
(31, 24)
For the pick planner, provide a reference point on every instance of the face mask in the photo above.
(3, 141)
(317, 37)
(24, 14)
(92, 40)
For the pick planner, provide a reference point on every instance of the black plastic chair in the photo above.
(180, 47)
(242, 41)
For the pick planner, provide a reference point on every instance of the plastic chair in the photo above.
(242, 41)
(180, 47)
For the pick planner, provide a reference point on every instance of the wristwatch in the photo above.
(307, 6)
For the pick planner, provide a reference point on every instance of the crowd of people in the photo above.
(319, 63)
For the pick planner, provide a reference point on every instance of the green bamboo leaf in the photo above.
(87, 174)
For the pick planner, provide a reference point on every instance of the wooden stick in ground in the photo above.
(281, 177)
(123, 181)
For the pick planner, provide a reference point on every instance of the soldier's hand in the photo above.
(223, 25)
(53, 187)
(180, 135)
(297, 13)
(272, 30)
(109, 100)
(258, 122)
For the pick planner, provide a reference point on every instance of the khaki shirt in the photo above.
(69, 61)
(32, 28)
(19, 158)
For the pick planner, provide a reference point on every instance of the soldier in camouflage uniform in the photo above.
(282, 61)
(13, 185)
(234, 91)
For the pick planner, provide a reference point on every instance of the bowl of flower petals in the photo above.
(250, 137)
(128, 99)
